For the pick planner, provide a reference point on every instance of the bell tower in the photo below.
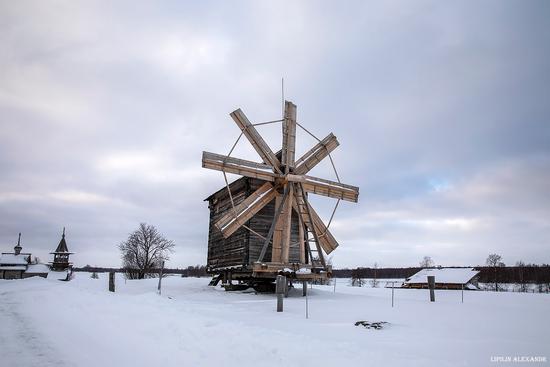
(61, 255)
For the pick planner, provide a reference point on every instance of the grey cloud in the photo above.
(105, 109)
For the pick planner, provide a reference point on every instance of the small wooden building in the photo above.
(445, 278)
(14, 264)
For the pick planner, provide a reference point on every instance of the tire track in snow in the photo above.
(20, 343)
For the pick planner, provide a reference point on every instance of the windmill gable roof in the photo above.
(447, 275)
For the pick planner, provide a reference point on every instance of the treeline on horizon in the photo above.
(530, 273)
(487, 274)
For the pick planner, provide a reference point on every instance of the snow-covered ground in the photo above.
(79, 323)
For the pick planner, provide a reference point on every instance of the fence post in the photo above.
(160, 276)
(307, 308)
(392, 287)
(431, 285)
(280, 290)
(111, 281)
(334, 285)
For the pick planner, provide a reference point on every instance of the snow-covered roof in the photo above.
(38, 269)
(446, 275)
(12, 259)
(16, 267)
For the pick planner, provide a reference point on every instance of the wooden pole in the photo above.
(160, 277)
(334, 285)
(462, 293)
(431, 285)
(111, 281)
(392, 287)
(280, 290)
(307, 307)
(304, 288)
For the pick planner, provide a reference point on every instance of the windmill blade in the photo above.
(316, 154)
(326, 239)
(237, 166)
(234, 219)
(256, 140)
(289, 136)
(328, 188)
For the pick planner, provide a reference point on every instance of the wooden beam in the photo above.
(234, 219)
(324, 187)
(256, 140)
(276, 248)
(316, 154)
(287, 224)
(301, 239)
(271, 230)
(237, 166)
(289, 136)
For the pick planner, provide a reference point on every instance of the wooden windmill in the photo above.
(272, 210)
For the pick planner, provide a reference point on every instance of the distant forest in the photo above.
(504, 274)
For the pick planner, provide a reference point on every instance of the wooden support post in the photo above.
(229, 278)
(280, 290)
(160, 277)
(277, 247)
(462, 293)
(431, 285)
(392, 288)
(287, 287)
(112, 281)
(304, 288)
(287, 224)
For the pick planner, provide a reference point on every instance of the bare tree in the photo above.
(427, 262)
(144, 250)
(494, 261)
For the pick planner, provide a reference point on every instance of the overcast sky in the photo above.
(442, 110)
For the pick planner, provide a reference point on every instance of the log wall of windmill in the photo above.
(243, 247)
(261, 222)
(231, 251)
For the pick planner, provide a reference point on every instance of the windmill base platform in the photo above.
(261, 276)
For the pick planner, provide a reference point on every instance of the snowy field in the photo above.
(79, 323)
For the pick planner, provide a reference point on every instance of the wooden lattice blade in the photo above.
(234, 219)
(256, 140)
(289, 135)
(326, 239)
(237, 166)
(328, 188)
(316, 154)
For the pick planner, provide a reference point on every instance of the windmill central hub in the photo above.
(280, 181)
